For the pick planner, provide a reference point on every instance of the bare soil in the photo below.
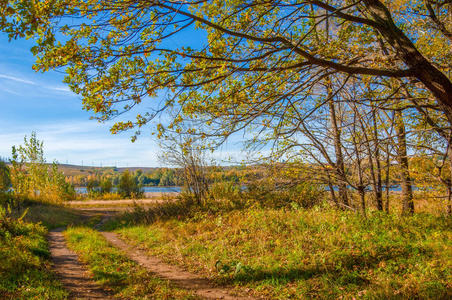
(72, 274)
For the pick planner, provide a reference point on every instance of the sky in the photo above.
(42, 103)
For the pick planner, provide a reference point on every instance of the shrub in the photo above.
(284, 185)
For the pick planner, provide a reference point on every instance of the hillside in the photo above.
(75, 170)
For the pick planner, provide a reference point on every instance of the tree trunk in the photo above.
(339, 167)
(422, 69)
(402, 158)
(449, 183)
(387, 183)
(378, 184)
(362, 196)
(449, 197)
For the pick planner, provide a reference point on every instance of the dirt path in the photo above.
(182, 278)
(71, 272)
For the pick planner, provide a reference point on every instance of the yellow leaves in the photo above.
(247, 16)
(160, 130)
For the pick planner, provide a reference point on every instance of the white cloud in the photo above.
(9, 91)
(18, 79)
(90, 142)
(59, 88)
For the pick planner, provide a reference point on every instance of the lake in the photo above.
(147, 189)
(177, 189)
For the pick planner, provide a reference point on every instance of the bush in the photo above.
(225, 191)
(285, 185)
(269, 194)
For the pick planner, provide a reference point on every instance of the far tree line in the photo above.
(161, 177)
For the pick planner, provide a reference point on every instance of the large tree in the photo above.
(252, 57)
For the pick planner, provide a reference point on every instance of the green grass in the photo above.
(25, 271)
(114, 271)
(53, 216)
(302, 254)
(24, 267)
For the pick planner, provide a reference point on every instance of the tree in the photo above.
(188, 155)
(144, 179)
(167, 178)
(106, 186)
(259, 68)
(30, 175)
(5, 180)
(128, 187)
(92, 185)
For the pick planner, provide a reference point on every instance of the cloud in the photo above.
(15, 80)
(60, 89)
(90, 142)
(74, 142)
(9, 91)
(18, 79)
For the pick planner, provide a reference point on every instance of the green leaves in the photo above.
(30, 177)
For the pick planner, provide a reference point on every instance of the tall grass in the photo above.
(296, 253)
(51, 216)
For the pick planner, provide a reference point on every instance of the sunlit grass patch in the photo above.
(112, 269)
(52, 216)
(24, 267)
(300, 254)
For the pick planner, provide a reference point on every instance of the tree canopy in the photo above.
(253, 64)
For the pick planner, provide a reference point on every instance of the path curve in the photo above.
(180, 277)
(71, 273)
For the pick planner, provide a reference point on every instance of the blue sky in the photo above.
(41, 102)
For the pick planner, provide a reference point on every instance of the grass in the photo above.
(24, 269)
(302, 254)
(114, 271)
(53, 216)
